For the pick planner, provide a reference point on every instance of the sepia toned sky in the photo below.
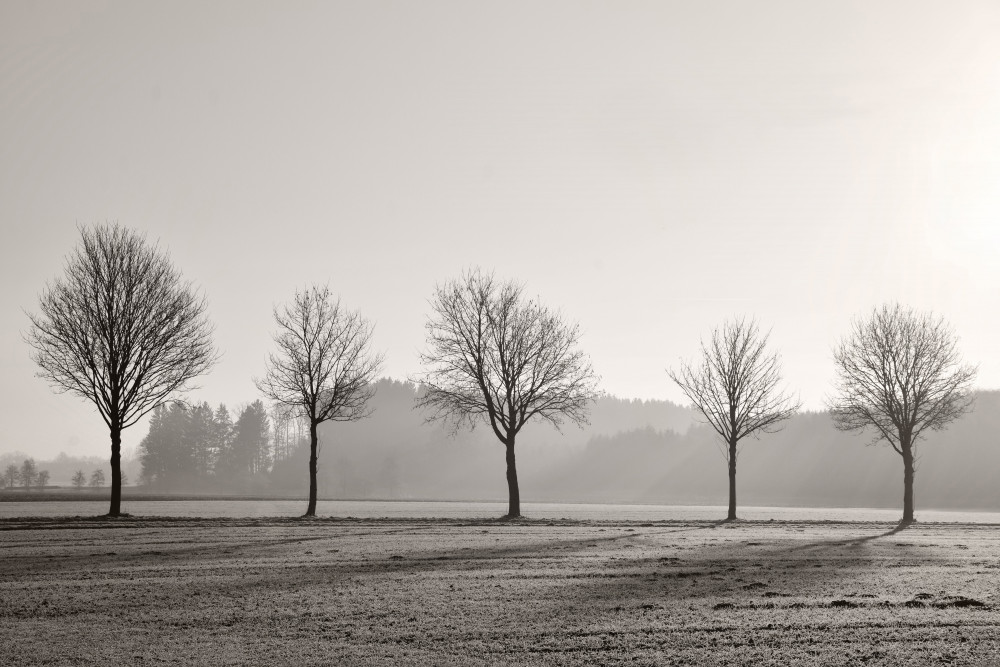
(650, 168)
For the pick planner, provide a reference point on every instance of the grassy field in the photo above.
(340, 592)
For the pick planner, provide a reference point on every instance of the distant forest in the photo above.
(632, 452)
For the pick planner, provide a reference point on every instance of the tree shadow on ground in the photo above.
(856, 541)
(739, 572)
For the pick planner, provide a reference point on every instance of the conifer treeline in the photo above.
(193, 447)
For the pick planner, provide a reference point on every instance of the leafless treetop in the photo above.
(324, 365)
(899, 372)
(735, 383)
(121, 328)
(495, 356)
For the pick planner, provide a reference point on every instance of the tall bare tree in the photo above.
(899, 374)
(121, 329)
(735, 386)
(325, 368)
(493, 356)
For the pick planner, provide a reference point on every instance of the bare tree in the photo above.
(79, 479)
(325, 368)
(286, 428)
(496, 357)
(122, 330)
(899, 373)
(42, 479)
(97, 479)
(735, 386)
(11, 475)
(28, 473)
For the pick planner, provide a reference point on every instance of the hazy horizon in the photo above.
(650, 169)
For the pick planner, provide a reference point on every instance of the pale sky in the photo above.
(650, 168)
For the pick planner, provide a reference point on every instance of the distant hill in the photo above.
(395, 453)
(651, 451)
(808, 463)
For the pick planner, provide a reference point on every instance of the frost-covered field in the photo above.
(458, 592)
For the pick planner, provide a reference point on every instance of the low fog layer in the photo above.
(651, 452)
(633, 451)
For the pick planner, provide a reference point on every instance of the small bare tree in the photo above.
(735, 386)
(97, 479)
(496, 357)
(29, 471)
(899, 373)
(325, 368)
(79, 480)
(11, 476)
(121, 329)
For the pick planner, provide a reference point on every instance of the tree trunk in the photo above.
(116, 472)
(313, 447)
(732, 482)
(514, 503)
(907, 482)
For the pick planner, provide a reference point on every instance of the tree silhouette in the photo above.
(79, 479)
(120, 329)
(734, 385)
(248, 450)
(97, 479)
(28, 473)
(899, 374)
(11, 475)
(42, 479)
(325, 368)
(496, 357)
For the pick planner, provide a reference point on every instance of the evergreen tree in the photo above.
(167, 453)
(251, 451)
(222, 435)
(151, 449)
(199, 435)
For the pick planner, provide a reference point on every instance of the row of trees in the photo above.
(27, 476)
(96, 479)
(899, 375)
(124, 331)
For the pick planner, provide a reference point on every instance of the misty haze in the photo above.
(486, 334)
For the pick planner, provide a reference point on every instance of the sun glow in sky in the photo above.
(650, 168)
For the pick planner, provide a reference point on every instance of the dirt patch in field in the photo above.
(455, 592)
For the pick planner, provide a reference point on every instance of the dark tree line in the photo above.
(196, 447)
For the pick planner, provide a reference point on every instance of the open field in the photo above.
(459, 592)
